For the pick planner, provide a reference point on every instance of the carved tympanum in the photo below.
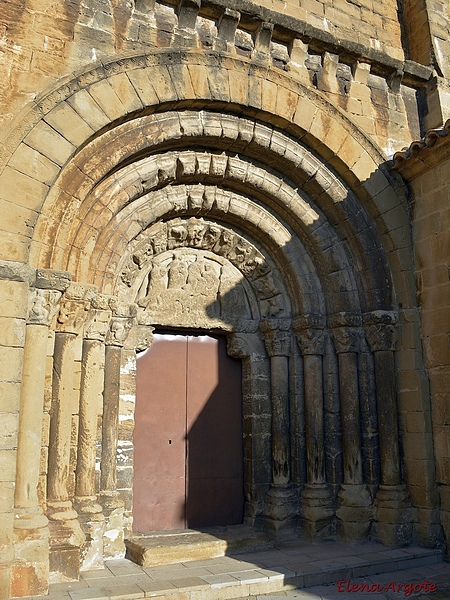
(188, 273)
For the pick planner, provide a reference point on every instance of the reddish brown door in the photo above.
(188, 459)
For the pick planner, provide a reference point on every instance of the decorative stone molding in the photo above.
(17, 271)
(40, 278)
(52, 280)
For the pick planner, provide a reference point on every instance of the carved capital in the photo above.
(277, 336)
(42, 306)
(74, 308)
(72, 316)
(124, 316)
(238, 345)
(98, 318)
(144, 337)
(311, 341)
(381, 336)
(346, 339)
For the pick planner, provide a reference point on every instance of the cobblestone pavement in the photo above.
(292, 570)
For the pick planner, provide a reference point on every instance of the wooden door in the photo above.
(188, 458)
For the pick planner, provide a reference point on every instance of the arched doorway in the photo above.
(188, 454)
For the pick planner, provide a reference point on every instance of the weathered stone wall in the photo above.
(13, 299)
(332, 42)
(427, 169)
(43, 41)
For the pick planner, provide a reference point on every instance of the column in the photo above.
(31, 533)
(355, 503)
(66, 536)
(280, 507)
(392, 503)
(109, 497)
(256, 421)
(316, 499)
(91, 389)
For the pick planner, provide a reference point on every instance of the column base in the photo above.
(30, 569)
(394, 516)
(281, 521)
(317, 512)
(66, 541)
(92, 522)
(355, 513)
(113, 535)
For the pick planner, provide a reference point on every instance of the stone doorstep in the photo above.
(255, 581)
(166, 548)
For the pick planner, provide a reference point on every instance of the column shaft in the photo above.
(90, 394)
(108, 472)
(315, 442)
(61, 417)
(279, 371)
(351, 434)
(387, 417)
(30, 419)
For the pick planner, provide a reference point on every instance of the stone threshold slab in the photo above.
(174, 547)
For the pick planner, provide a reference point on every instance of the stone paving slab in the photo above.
(318, 568)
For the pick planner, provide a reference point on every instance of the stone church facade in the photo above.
(273, 174)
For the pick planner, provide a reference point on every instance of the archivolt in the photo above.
(301, 212)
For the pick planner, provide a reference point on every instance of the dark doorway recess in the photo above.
(188, 450)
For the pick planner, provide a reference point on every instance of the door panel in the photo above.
(214, 457)
(160, 436)
(188, 435)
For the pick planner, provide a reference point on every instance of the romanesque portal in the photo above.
(255, 213)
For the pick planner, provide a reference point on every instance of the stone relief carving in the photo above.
(123, 319)
(43, 305)
(200, 275)
(192, 287)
